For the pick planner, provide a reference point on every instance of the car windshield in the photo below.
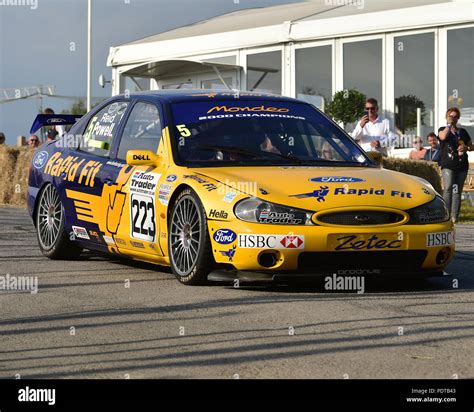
(253, 132)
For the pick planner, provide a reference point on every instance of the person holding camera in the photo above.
(454, 144)
(372, 131)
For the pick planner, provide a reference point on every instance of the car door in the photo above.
(92, 182)
(139, 230)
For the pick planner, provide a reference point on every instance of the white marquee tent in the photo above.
(391, 50)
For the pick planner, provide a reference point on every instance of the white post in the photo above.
(418, 121)
(89, 53)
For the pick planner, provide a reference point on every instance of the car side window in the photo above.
(102, 128)
(142, 130)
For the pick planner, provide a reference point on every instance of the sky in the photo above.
(44, 42)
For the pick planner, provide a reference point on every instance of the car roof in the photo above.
(189, 95)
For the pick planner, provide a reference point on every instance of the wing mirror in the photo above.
(142, 158)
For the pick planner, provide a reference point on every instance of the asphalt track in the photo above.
(85, 323)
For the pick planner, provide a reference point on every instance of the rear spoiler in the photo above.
(53, 120)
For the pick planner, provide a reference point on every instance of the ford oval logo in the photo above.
(336, 179)
(362, 218)
(225, 236)
(40, 159)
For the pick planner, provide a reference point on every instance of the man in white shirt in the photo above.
(372, 131)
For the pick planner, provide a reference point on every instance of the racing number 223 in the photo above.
(143, 218)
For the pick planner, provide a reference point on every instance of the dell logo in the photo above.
(141, 157)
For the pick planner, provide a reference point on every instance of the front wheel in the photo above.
(52, 238)
(188, 240)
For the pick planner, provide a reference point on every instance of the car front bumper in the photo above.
(328, 249)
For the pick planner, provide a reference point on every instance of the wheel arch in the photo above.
(38, 197)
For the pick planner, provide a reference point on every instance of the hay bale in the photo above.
(20, 177)
(429, 171)
(8, 156)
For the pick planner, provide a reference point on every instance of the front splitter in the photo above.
(268, 277)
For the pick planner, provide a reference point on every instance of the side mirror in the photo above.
(142, 158)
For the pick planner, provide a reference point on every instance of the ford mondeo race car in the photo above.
(221, 185)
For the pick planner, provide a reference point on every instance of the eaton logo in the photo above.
(225, 236)
(40, 159)
(336, 179)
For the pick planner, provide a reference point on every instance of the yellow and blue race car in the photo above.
(222, 186)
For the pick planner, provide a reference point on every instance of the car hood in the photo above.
(320, 188)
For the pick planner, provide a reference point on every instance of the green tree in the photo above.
(346, 106)
(78, 108)
(405, 115)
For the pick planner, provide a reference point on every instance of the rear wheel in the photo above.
(52, 238)
(188, 239)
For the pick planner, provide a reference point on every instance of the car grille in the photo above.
(392, 261)
(360, 218)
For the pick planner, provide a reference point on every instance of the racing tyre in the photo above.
(188, 239)
(52, 238)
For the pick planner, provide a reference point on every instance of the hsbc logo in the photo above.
(253, 241)
(292, 242)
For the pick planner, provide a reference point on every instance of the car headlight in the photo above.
(259, 211)
(432, 212)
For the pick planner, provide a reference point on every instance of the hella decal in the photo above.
(224, 236)
(218, 214)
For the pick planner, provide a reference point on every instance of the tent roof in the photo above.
(268, 16)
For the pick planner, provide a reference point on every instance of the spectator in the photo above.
(327, 151)
(433, 154)
(59, 129)
(418, 151)
(372, 131)
(454, 144)
(51, 135)
(2, 138)
(33, 141)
